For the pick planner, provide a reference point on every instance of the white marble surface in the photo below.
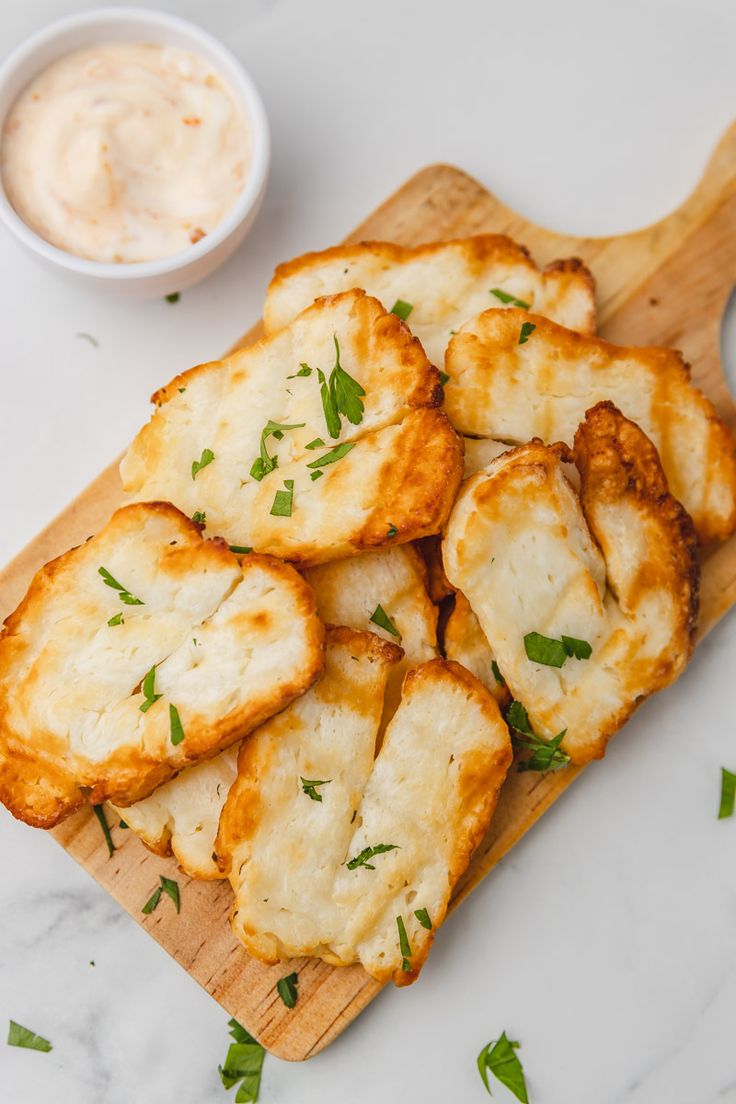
(606, 942)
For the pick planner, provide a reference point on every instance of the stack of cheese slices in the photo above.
(244, 660)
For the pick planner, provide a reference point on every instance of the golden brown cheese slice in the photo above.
(309, 876)
(444, 284)
(615, 567)
(337, 489)
(141, 652)
(503, 388)
(466, 643)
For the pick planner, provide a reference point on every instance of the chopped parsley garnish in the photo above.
(172, 298)
(506, 298)
(367, 853)
(497, 673)
(316, 475)
(206, 458)
(244, 1063)
(284, 500)
(286, 988)
(304, 370)
(264, 463)
(500, 1059)
(316, 443)
(332, 418)
(333, 455)
(341, 395)
(181, 390)
(21, 1037)
(199, 517)
(392, 530)
(88, 337)
(309, 786)
(123, 593)
(177, 732)
(728, 794)
(402, 309)
(444, 378)
(116, 619)
(423, 917)
(167, 886)
(552, 652)
(381, 618)
(546, 754)
(527, 329)
(149, 690)
(404, 945)
(122, 824)
(240, 549)
(100, 814)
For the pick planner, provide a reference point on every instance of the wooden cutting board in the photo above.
(665, 285)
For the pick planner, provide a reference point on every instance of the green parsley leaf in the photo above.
(527, 329)
(500, 1059)
(123, 593)
(381, 618)
(171, 889)
(546, 754)
(332, 418)
(100, 814)
(304, 370)
(116, 619)
(316, 475)
(497, 674)
(423, 917)
(402, 309)
(518, 718)
(206, 458)
(199, 517)
(367, 853)
(244, 1063)
(284, 500)
(404, 945)
(149, 690)
(506, 298)
(181, 390)
(545, 650)
(92, 340)
(347, 392)
(264, 463)
(152, 901)
(172, 298)
(316, 443)
(240, 549)
(333, 455)
(122, 824)
(239, 1034)
(21, 1037)
(177, 732)
(444, 378)
(309, 787)
(728, 794)
(392, 530)
(580, 649)
(286, 987)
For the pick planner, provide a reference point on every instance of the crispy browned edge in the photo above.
(664, 363)
(22, 774)
(241, 810)
(478, 247)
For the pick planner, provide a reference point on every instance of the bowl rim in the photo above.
(238, 79)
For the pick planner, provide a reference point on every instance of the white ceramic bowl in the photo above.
(169, 274)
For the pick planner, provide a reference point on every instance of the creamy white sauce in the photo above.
(125, 151)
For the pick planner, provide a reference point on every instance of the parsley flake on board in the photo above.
(286, 988)
(284, 500)
(404, 945)
(123, 593)
(728, 794)
(423, 917)
(546, 754)
(264, 463)
(333, 455)
(148, 687)
(100, 814)
(309, 786)
(381, 618)
(506, 298)
(402, 309)
(22, 1037)
(206, 458)
(527, 329)
(361, 859)
(168, 886)
(175, 725)
(244, 1063)
(499, 1058)
(552, 652)
(88, 337)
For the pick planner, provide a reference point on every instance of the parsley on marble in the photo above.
(728, 794)
(243, 1065)
(22, 1037)
(499, 1058)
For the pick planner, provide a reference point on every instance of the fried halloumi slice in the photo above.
(386, 843)
(443, 283)
(615, 568)
(341, 481)
(502, 388)
(143, 651)
(386, 593)
(466, 643)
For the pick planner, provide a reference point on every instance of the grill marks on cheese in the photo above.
(231, 645)
(501, 389)
(615, 566)
(446, 283)
(430, 791)
(404, 469)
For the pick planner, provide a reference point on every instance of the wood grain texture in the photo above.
(665, 284)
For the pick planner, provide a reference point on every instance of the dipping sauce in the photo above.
(125, 151)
